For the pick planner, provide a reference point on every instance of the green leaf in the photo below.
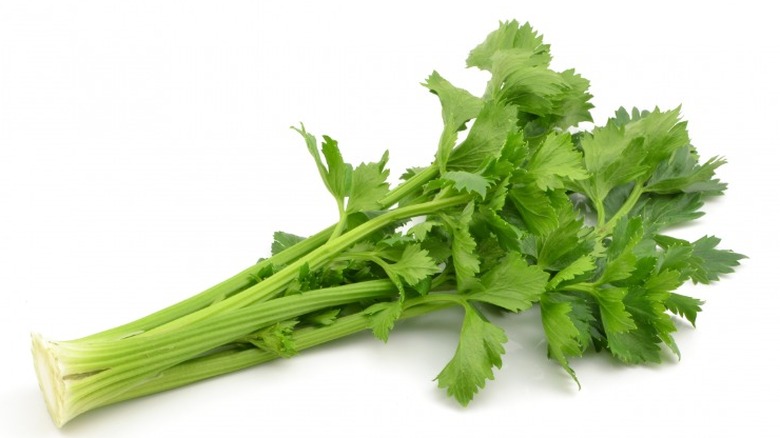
(656, 292)
(637, 346)
(490, 254)
(414, 265)
(653, 325)
(645, 322)
(439, 247)
(663, 282)
(276, 339)
(537, 208)
(686, 307)
(479, 351)
(396, 240)
(614, 316)
(369, 186)
(626, 235)
(509, 35)
(618, 269)
(509, 162)
(382, 318)
(403, 262)
(464, 257)
(663, 132)
(420, 231)
(555, 162)
(507, 235)
(492, 129)
(311, 145)
(708, 263)
(629, 148)
(337, 175)
(519, 62)
(468, 182)
(512, 285)
(609, 157)
(308, 279)
(562, 334)
(578, 267)
(573, 105)
(700, 261)
(621, 260)
(519, 79)
(283, 241)
(324, 318)
(675, 255)
(659, 212)
(458, 107)
(682, 173)
(566, 243)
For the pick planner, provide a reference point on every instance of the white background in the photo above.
(145, 155)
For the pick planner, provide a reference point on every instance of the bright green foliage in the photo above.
(614, 316)
(621, 260)
(458, 107)
(486, 138)
(405, 264)
(578, 267)
(537, 208)
(566, 244)
(464, 257)
(519, 62)
(283, 241)
(513, 285)
(700, 261)
(555, 162)
(683, 173)
(369, 186)
(276, 339)
(468, 182)
(335, 173)
(661, 212)
(526, 210)
(479, 351)
(708, 263)
(684, 306)
(413, 266)
(324, 318)
(563, 336)
(382, 318)
(510, 35)
(354, 189)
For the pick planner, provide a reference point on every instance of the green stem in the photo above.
(247, 277)
(588, 288)
(83, 376)
(341, 224)
(437, 298)
(127, 360)
(273, 285)
(628, 205)
(339, 227)
(219, 292)
(601, 214)
(225, 362)
(408, 187)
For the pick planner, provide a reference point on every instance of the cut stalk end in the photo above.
(50, 379)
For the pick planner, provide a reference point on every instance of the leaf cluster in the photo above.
(575, 223)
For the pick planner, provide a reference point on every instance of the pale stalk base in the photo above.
(50, 378)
